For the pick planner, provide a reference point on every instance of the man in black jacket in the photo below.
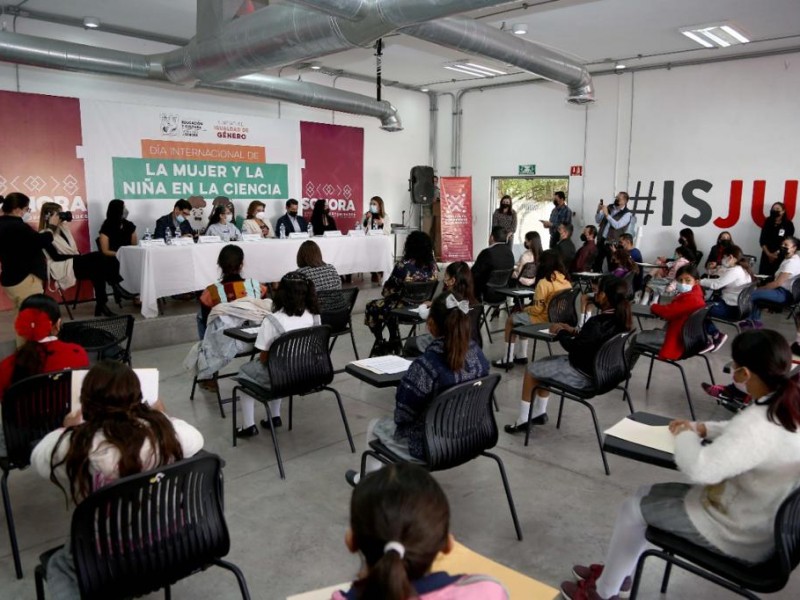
(176, 221)
(291, 221)
(565, 246)
(496, 257)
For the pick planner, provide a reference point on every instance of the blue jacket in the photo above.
(287, 224)
(167, 221)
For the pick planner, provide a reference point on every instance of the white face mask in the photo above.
(261, 215)
(684, 287)
(26, 217)
(741, 386)
(373, 209)
(729, 262)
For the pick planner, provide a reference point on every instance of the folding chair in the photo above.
(497, 279)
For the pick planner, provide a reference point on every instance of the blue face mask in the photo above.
(180, 219)
(684, 287)
(373, 209)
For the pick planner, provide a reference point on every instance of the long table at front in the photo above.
(158, 271)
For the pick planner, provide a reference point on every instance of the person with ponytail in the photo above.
(400, 522)
(582, 344)
(736, 484)
(452, 358)
(114, 435)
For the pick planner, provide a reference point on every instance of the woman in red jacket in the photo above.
(689, 299)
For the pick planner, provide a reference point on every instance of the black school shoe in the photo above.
(521, 428)
(247, 432)
(276, 422)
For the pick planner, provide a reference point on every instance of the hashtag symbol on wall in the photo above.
(644, 208)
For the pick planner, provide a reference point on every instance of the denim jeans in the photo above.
(720, 310)
(778, 295)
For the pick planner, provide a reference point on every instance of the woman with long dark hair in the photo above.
(321, 219)
(116, 231)
(736, 484)
(506, 217)
(777, 227)
(221, 224)
(686, 240)
(525, 269)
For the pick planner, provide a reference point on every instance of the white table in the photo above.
(158, 271)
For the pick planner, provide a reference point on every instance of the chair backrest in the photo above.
(744, 300)
(562, 307)
(342, 301)
(149, 530)
(299, 361)
(31, 409)
(100, 335)
(752, 258)
(611, 363)
(628, 279)
(693, 333)
(787, 533)
(417, 292)
(499, 278)
(796, 289)
(459, 423)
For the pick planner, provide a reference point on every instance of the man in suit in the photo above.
(497, 256)
(565, 246)
(291, 221)
(176, 221)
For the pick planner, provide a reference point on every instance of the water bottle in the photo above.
(168, 236)
(310, 230)
(147, 234)
(282, 232)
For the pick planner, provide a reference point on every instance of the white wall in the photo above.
(388, 157)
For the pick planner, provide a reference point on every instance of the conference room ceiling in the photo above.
(599, 33)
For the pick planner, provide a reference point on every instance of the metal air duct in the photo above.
(477, 38)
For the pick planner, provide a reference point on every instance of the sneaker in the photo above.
(583, 590)
(247, 432)
(276, 422)
(592, 573)
(709, 348)
(715, 391)
(352, 477)
(796, 349)
(719, 341)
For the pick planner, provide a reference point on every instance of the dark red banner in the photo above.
(456, 219)
(42, 134)
(334, 170)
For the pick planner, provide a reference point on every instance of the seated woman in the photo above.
(400, 522)
(376, 217)
(576, 367)
(114, 435)
(220, 224)
(94, 266)
(525, 269)
(686, 241)
(622, 262)
(735, 275)
(321, 219)
(116, 231)
(256, 220)
(663, 280)
(736, 484)
(676, 313)
(295, 307)
(714, 260)
(323, 275)
(230, 287)
(551, 278)
(417, 265)
(451, 359)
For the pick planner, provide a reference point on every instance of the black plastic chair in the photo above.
(148, 531)
(459, 427)
(299, 364)
(792, 304)
(560, 310)
(107, 338)
(221, 402)
(739, 577)
(498, 279)
(612, 365)
(745, 305)
(415, 293)
(694, 339)
(340, 321)
(31, 409)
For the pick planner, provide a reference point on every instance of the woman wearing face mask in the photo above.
(505, 217)
(321, 219)
(376, 217)
(714, 260)
(525, 269)
(736, 274)
(686, 241)
(116, 231)
(779, 290)
(257, 221)
(775, 229)
(220, 224)
(736, 484)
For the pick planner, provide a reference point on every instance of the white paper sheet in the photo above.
(522, 292)
(657, 437)
(546, 331)
(251, 330)
(384, 365)
(148, 379)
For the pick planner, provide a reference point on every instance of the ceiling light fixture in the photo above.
(519, 28)
(712, 35)
(734, 34)
(424, 90)
(693, 36)
(91, 22)
(485, 69)
(619, 66)
(463, 71)
(316, 67)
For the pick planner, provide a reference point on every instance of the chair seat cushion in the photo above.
(764, 577)
(582, 393)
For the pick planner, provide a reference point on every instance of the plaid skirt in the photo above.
(558, 368)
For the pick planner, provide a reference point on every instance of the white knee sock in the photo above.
(540, 405)
(510, 354)
(275, 407)
(627, 543)
(524, 409)
(521, 349)
(248, 405)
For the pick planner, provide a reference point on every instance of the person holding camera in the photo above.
(612, 221)
(94, 266)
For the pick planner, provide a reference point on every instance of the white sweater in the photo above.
(731, 281)
(750, 468)
(104, 458)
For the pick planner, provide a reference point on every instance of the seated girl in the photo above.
(114, 435)
(525, 269)
(676, 313)
(295, 307)
(734, 276)
(736, 484)
(400, 522)
(221, 224)
(551, 278)
(622, 263)
(451, 359)
(714, 260)
(664, 279)
(576, 367)
(324, 276)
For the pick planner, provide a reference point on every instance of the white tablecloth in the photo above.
(158, 271)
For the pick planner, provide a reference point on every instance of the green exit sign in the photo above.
(527, 169)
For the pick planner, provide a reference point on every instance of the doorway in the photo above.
(532, 198)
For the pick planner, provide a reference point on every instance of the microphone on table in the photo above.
(403, 220)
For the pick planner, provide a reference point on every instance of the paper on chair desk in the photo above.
(148, 379)
(384, 365)
(251, 330)
(656, 437)
(546, 331)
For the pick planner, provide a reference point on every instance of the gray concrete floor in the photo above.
(287, 536)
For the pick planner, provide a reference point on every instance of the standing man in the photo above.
(497, 256)
(177, 221)
(291, 221)
(561, 213)
(612, 222)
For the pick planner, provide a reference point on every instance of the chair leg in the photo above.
(333, 343)
(194, 385)
(508, 357)
(38, 576)
(686, 388)
(665, 578)
(486, 323)
(560, 410)
(167, 593)
(344, 418)
(353, 339)
(597, 433)
(12, 531)
(549, 348)
(626, 396)
(291, 411)
(507, 488)
(77, 294)
(650, 372)
(530, 413)
(708, 366)
(376, 456)
(239, 576)
(219, 396)
(275, 437)
(233, 413)
(494, 400)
